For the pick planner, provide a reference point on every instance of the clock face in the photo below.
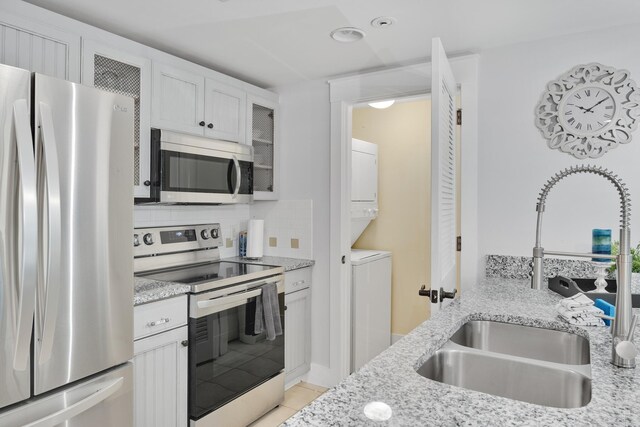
(588, 110)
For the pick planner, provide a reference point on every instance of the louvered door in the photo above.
(443, 174)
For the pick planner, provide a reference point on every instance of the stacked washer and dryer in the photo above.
(370, 269)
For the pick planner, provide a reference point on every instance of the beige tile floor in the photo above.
(296, 398)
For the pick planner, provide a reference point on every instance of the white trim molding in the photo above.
(391, 83)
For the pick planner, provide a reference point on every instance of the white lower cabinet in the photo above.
(160, 375)
(297, 356)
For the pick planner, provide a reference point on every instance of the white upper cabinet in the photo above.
(225, 112)
(177, 100)
(113, 70)
(262, 134)
(38, 48)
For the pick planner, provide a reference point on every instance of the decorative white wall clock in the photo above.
(589, 110)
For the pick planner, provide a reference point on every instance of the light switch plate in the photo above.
(229, 243)
(273, 242)
(295, 243)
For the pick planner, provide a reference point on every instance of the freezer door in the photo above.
(105, 401)
(18, 235)
(84, 161)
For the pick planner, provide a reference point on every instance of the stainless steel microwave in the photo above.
(189, 169)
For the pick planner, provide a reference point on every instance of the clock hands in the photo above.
(598, 103)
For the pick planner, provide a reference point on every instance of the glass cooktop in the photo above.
(209, 272)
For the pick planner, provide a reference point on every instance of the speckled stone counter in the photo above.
(146, 290)
(288, 263)
(416, 401)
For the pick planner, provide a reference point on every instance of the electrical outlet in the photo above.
(229, 243)
(273, 242)
(295, 243)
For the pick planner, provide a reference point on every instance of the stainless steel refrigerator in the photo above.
(66, 261)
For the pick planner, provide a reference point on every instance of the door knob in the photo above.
(431, 293)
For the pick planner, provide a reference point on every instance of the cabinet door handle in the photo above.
(147, 183)
(185, 343)
(210, 125)
(158, 322)
(298, 283)
(201, 123)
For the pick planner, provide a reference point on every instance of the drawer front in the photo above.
(295, 280)
(149, 319)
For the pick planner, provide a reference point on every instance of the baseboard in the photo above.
(395, 338)
(320, 375)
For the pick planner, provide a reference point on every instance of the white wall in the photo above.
(305, 170)
(515, 161)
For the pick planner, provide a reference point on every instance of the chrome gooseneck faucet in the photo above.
(623, 351)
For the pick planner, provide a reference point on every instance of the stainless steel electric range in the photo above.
(235, 375)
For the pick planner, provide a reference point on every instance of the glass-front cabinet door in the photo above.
(115, 71)
(262, 134)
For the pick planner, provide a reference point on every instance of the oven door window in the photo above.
(227, 358)
(186, 172)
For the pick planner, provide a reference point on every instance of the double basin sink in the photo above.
(535, 365)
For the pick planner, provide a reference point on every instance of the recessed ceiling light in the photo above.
(347, 34)
(383, 22)
(382, 104)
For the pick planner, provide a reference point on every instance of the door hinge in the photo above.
(459, 116)
(459, 243)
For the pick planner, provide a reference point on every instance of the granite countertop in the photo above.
(288, 263)
(391, 377)
(147, 290)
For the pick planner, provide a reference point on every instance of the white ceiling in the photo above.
(277, 42)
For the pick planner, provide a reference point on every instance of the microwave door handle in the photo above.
(49, 163)
(238, 177)
(28, 234)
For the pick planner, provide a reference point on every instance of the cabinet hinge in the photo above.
(459, 243)
(459, 116)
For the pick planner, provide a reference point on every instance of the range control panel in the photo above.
(162, 240)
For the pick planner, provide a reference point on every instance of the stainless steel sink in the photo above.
(524, 341)
(539, 382)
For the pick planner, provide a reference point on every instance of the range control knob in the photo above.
(214, 233)
(204, 234)
(136, 240)
(148, 239)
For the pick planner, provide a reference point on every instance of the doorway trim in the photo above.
(346, 92)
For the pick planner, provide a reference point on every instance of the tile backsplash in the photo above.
(232, 219)
(288, 227)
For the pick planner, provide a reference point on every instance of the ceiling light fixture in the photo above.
(383, 22)
(347, 34)
(382, 104)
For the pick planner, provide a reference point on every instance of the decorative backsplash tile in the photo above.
(288, 227)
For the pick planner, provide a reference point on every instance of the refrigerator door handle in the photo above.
(51, 266)
(78, 408)
(238, 177)
(29, 234)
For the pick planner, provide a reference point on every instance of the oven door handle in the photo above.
(231, 299)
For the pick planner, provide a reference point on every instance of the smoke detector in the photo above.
(383, 22)
(347, 34)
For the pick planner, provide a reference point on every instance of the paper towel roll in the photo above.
(255, 236)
